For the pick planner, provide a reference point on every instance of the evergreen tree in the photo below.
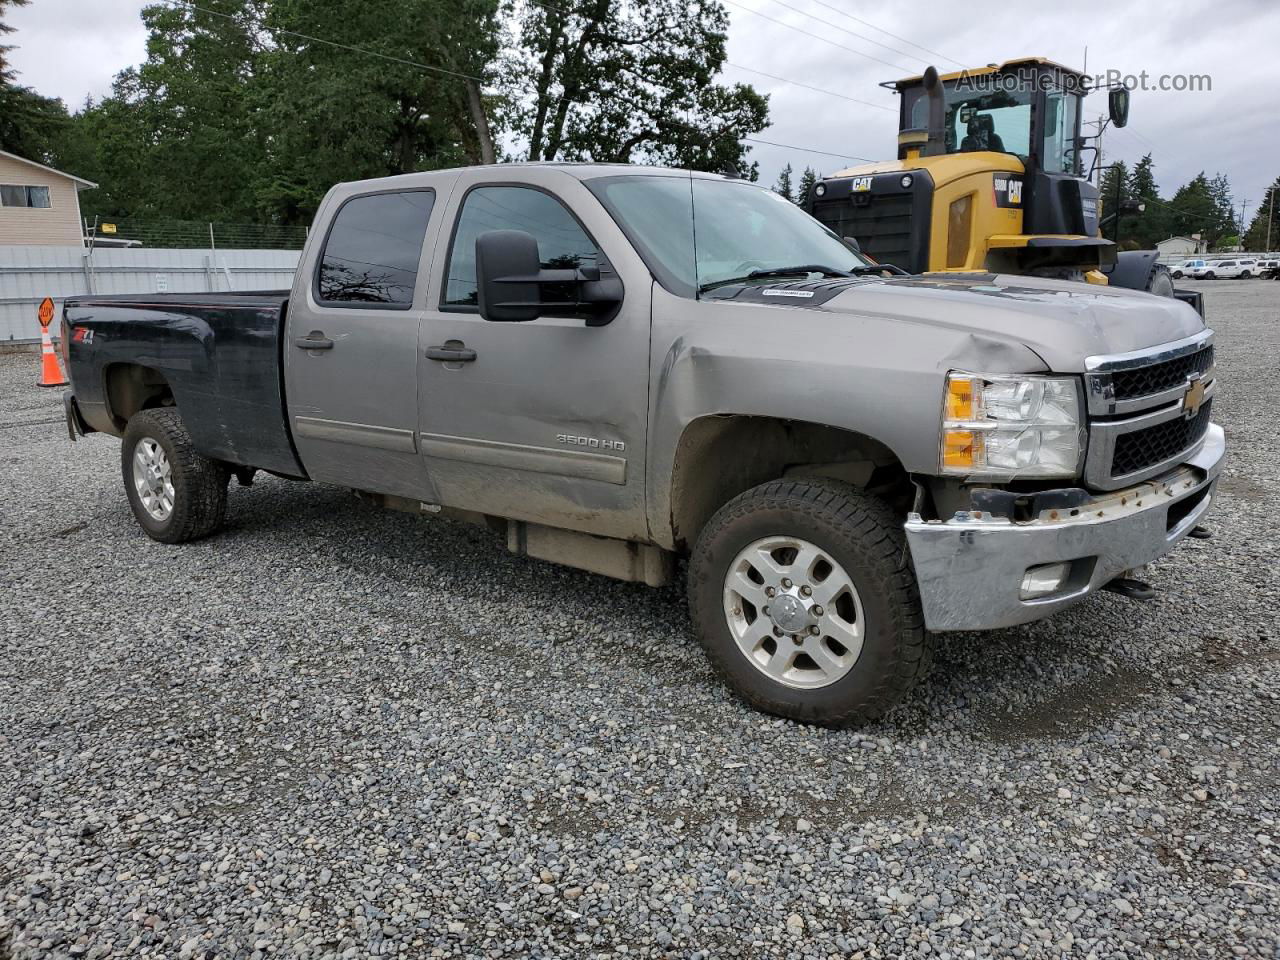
(1150, 225)
(1263, 235)
(1113, 191)
(6, 71)
(1195, 210)
(1224, 202)
(30, 125)
(807, 180)
(783, 186)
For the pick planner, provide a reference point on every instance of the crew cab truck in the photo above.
(616, 367)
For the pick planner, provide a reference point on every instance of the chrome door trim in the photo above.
(518, 456)
(361, 434)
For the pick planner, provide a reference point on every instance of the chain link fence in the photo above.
(102, 232)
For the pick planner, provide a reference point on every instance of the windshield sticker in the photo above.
(787, 293)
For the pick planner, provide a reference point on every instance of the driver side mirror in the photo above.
(510, 283)
(507, 267)
(1118, 106)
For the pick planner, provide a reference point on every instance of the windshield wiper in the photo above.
(778, 272)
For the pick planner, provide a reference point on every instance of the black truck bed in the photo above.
(218, 353)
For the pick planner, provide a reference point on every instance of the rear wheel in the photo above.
(1245, 275)
(176, 493)
(1211, 275)
(805, 602)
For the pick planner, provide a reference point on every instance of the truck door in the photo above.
(543, 421)
(351, 347)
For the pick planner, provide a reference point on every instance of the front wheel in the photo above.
(1211, 275)
(804, 599)
(1245, 275)
(176, 493)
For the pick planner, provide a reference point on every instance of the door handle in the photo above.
(453, 354)
(315, 340)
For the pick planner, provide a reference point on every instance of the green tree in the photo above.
(1224, 202)
(1195, 209)
(783, 186)
(1263, 234)
(631, 83)
(1113, 191)
(179, 137)
(807, 180)
(30, 125)
(6, 70)
(375, 110)
(1150, 225)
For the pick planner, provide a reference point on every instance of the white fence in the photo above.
(28, 274)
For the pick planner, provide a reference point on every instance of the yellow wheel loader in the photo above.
(988, 179)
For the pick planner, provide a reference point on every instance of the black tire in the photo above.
(1160, 283)
(1211, 275)
(199, 484)
(862, 534)
(1177, 274)
(1245, 275)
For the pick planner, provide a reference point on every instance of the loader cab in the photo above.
(988, 177)
(1030, 109)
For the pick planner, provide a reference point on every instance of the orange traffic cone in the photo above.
(51, 374)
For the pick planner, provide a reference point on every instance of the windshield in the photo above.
(993, 112)
(694, 231)
(975, 120)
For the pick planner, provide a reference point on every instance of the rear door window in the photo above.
(371, 255)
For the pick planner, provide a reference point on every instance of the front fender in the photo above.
(872, 376)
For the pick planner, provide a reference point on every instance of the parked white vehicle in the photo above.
(1225, 270)
(1180, 270)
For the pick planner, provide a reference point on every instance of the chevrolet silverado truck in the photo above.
(618, 367)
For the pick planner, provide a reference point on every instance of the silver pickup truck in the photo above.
(618, 367)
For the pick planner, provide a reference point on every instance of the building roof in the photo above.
(79, 181)
(1180, 237)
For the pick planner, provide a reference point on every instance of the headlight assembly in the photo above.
(1011, 426)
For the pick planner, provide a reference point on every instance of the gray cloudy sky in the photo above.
(71, 48)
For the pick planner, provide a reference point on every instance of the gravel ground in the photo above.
(333, 731)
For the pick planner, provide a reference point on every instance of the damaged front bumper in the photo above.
(971, 568)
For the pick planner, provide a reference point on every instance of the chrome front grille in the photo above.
(1148, 410)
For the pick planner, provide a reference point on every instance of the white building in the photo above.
(1180, 246)
(39, 205)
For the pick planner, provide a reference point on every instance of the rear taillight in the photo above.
(64, 345)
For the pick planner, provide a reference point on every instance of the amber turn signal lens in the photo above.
(961, 448)
(961, 398)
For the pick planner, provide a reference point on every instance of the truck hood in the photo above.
(1062, 321)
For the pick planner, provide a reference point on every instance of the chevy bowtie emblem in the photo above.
(1193, 399)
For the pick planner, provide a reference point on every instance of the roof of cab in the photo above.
(582, 171)
(989, 68)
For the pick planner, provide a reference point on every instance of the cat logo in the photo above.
(860, 184)
(1015, 190)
